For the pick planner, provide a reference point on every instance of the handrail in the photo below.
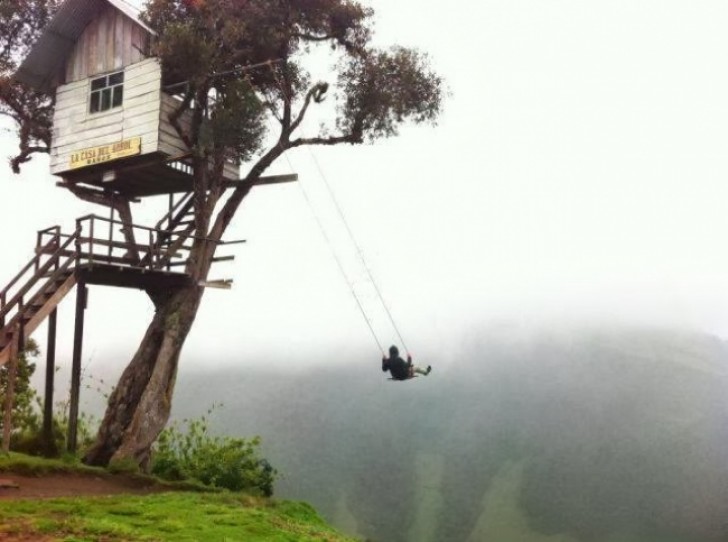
(166, 248)
(25, 269)
(63, 268)
(187, 199)
(155, 230)
(136, 226)
(17, 298)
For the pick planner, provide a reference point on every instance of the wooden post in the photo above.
(10, 390)
(81, 295)
(49, 447)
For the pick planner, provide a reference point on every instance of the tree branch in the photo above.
(353, 138)
(175, 116)
(315, 93)
(312, 37)
(287, 92)
(231, 205)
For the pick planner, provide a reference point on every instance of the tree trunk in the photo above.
(140, 405)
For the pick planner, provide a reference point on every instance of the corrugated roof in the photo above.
(46, 57)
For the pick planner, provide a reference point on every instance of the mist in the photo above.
(554, 249)
(522, 433)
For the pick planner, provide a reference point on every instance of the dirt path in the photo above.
(16, 486)
(71, 485)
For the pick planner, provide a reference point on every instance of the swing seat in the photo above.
(402, 379)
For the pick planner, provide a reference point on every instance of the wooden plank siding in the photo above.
(74, 128)
(110, 42)
(169, 141)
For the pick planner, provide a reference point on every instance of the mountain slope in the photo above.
(620, 434)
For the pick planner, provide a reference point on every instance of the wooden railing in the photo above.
(99, 241)
(38, 276)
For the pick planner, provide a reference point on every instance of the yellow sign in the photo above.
(106, 153)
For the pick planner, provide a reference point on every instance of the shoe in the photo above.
(429, 369)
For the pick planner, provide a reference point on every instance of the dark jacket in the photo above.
(399, 368)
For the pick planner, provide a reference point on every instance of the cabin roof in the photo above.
(42, 64)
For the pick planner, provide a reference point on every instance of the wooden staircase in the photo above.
(175, 228)
(38, 289)
(98, 253)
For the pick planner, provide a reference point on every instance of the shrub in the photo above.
(224, 462)
(24, 415)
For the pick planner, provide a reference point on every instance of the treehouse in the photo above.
(114, 141)
(111, 126)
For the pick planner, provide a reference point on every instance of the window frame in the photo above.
(106, 92)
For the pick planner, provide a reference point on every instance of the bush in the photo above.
(224, 462)
(24, 415)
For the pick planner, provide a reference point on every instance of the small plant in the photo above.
(24, 415)
(224, 462)
(27, 410)
(123, 466)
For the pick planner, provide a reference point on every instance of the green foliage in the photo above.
(383, 90)
(225, 462)
(375, 90)
(38, 466)
(27, 435)
(25, 418)
(123, 466)
(166, 517)
(20, 24)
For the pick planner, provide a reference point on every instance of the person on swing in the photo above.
(399, 368)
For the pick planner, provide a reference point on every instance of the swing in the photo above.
(354, 242)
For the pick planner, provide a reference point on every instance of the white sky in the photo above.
(578, 173)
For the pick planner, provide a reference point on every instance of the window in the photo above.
(107, 92)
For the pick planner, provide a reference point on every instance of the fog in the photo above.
(529, 435)
(554, 248)
(577, 174)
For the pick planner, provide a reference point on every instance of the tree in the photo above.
(242, 69)
(21, 21)
(25, 416)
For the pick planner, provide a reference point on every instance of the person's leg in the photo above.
(421, 371)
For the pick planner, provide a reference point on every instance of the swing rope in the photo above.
(319, 223)
(349, 231)
(339, 264)
(358, 248)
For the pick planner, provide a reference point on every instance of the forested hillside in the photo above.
(521, 435)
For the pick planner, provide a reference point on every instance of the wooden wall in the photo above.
(110, 42)
(171, 144)
(74, 128)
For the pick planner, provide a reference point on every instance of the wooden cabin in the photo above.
(111, 124)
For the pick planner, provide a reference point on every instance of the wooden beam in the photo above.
(50, 305)
(225, 284)
(10, 389)
(269, 179)
(71, 441)
(49, 447)
(37, 319)
(93, 191)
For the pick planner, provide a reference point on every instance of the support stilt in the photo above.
(10, 390)
(81, 297)
(49, 445)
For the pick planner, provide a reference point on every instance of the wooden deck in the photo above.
(153, 175)
(122, 276)
(97, 252)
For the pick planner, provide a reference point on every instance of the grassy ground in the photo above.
(38, 466)
(177, 514)
(164, 517)
(26, 465)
